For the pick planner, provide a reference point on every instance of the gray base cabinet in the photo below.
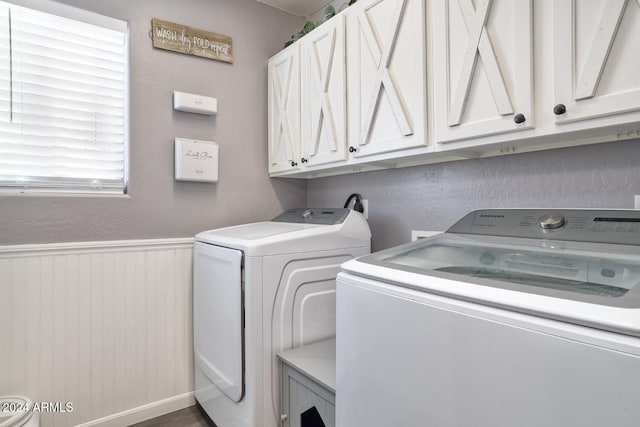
(308, 385)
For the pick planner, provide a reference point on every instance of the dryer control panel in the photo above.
(579, 225)
(321, 216)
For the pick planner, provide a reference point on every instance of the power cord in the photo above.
(357, 204)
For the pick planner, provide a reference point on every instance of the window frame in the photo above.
(93, 18)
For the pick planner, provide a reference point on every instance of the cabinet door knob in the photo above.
(519, 118)
(559, 109)
(352, 149)
(303, 160)
(284, 417)
(293, 164)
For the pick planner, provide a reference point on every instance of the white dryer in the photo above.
(522, 318)
(259, 289)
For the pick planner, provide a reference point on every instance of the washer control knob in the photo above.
(551, 221)
(307, 214)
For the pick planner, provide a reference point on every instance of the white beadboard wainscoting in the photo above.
(105, 326)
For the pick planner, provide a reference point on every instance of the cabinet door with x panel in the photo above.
(483, 68)
(597, 67)
(386, 76)
(323, 94)
(284, 110)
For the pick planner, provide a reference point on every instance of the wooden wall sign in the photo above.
(191, 41)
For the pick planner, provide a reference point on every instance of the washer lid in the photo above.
(587, 283)
(16, 411)
(599, 274)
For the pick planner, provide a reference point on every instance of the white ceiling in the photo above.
(298, 7)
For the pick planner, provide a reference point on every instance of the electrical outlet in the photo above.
(637, 202)
(365, 205)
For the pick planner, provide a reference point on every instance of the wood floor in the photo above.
(192, 416)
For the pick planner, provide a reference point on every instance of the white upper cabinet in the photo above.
(597, 62)
(284, 110)
(386, 80)
(323, 103)
(435, 80)
(483, 68)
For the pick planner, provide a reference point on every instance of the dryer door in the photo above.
(217, 317)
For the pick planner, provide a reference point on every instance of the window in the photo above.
(63, 100)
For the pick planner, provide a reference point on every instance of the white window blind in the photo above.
(63, 103)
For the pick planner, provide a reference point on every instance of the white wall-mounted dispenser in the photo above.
(192, 103)
(196, 160)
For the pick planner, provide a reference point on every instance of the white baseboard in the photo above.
(143, 413)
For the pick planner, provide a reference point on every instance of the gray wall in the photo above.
(426, 197)
(158, 206)
(433, 197)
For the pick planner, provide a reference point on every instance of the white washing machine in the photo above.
(259, 289)
(521, 318)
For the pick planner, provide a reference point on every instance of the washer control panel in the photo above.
(581, 225)
(320, 216)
